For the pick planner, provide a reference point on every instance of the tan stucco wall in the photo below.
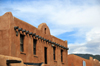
(78, 61)
(4, 58)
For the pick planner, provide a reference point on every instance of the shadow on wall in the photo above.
(14, 61)
(10, 61)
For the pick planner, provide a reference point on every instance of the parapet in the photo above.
(7, 60)
(95, 60)
(44, 28)
(91, 58)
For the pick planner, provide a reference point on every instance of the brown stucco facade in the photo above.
(74, 60)
(10, 30)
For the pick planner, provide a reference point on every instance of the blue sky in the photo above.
(77, 21)
(71, 38)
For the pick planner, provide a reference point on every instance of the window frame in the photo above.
(22, 42)
(61, 55)
(84, 63)
(54, 53)
(45, 30)
(34, 46)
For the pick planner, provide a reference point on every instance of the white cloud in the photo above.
(92, 45)
(93, 34)
(66, 17)
(63, 16)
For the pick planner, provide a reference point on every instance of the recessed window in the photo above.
(84, 63)
(45, 30)
(34, 46)
(54, 48)
(61, 55)
(21, 43)
(45, 55)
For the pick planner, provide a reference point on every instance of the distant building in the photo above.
(32, 45)
(74, 60)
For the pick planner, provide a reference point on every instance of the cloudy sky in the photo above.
(77, 21)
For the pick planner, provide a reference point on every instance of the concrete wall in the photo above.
(10, 43)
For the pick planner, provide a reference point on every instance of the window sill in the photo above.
(36, 56)
(23, 53)
(62, 62)
(45, 64)
(55, 60)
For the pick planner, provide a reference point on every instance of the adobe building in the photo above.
(74, 60)
(32, 45)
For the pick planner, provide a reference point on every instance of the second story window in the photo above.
(45, 30)
(45, 55)
(21, 43)
(54, 48)
(61, 55)
(34, 46)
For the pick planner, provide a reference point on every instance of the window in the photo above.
(34, 46)
(45, 55)
(45, 30)
(61, 55)
(84, 64)
(21, 43)
(54, 48)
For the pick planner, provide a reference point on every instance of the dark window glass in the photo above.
(54, 48)
(61, 55)
(34, 46)
(45, 55)
(45, 30)
(21, 43)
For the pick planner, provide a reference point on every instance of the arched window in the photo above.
(45, 30)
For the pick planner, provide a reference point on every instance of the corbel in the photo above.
(36, 36)
(16, 27)
(30, 33)
(33, 34)
(23, 30)
(19, 29)
(27, 32)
